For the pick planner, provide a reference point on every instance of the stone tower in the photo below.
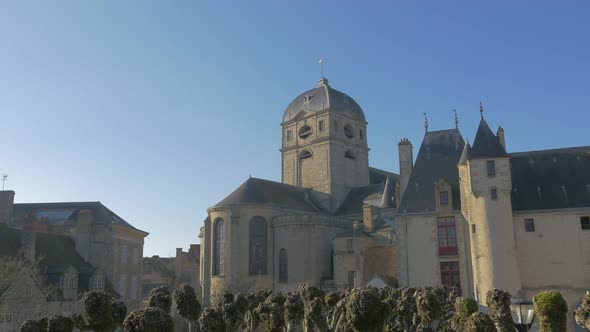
(486, 183)
(325, 144)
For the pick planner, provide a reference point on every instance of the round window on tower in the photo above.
(305, 132)
(348, 131)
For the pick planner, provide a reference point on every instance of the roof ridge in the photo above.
(579, 148)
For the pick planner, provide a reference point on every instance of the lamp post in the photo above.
(523, 313)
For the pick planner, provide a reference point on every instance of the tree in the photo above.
(428, 309)
(57, 323)
(314, 307)
(583, 312)
(498, 301)
(365, 311)
(149, 319)
(464, 308)
(160, 297)
(211, 321)
(294, 312)
(119, 311)
(33, 325)
(272, 312)
(479, 322)
(187, 304)
(98, 313)
(551, 309)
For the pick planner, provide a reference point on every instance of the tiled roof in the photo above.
(437, 159)
(551, 179)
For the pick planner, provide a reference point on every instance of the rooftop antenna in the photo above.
(322, 65)
(481, 109)
(4, 177)
(425, 123)
(456, 120)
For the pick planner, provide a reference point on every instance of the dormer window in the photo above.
(346, 99)
(306, 99)
(69, 281)
(444, 197)
(97, 282)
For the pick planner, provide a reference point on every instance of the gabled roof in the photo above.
(65, 213)
(379, 176)
(437, 159)
(265, 192)
(353, 203)
(486, 144)
(551, 179)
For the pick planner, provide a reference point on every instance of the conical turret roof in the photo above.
(486, 144)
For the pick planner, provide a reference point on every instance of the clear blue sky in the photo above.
(160, 109)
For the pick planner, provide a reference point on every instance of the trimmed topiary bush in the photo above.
(33, 325)
(211, 321)
(57, 323)
(464, 307)
(583, 313)
(479, 322)
(150, 319)
(551, 309)
(160, 297)
(365, 312)
(119, 311)
(498, 301)
(294, 312)
(187, 304)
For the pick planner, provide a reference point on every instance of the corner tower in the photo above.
(325, 143)
(486, 183)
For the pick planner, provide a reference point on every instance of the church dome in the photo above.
(323, 97)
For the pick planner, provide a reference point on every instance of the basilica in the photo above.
(472, 216)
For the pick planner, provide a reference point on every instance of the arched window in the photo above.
(305, 154)
(349, 154)
(283, 266)
(348, 131)
(218, 246)
(257, 246)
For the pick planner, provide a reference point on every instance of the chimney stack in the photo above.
(194, 250)
(178, 252)
(406, 164)
(368, 215)
(6, 206)
(500, 134)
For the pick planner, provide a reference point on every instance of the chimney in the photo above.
(406, 164)
(178, 252)
(500, 134)
(6, 206)
(368, 215)
(194, 250)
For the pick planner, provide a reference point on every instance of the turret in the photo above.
(406, 164)
(486, 183)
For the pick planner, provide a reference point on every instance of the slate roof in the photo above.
(380, 176)
(437, 159)
(353, 203)
(551, 179)
(486, 144)
(259, 191)
(323, 97)
(65, 213)
(56, 253)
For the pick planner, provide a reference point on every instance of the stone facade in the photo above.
(171, 271)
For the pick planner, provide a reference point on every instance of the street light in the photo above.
(523, 313)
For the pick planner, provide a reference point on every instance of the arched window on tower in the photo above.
(218, 247)
(283, 266)
(257, 246)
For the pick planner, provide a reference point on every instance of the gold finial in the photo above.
(456, 120)
(481, 109)
(322, 65)
(425, 122)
